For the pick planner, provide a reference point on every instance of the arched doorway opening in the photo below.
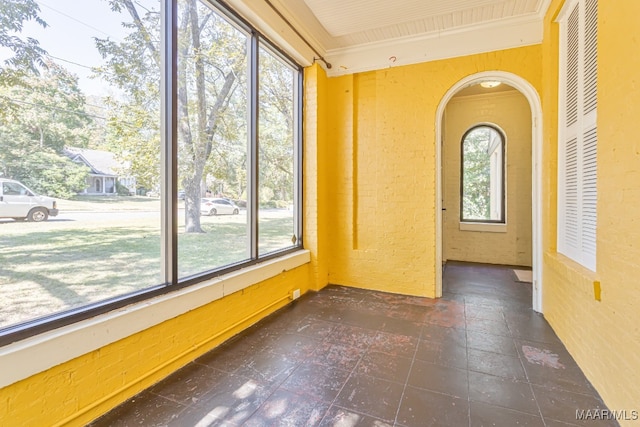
(529, 92)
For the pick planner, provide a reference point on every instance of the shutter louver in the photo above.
(572, 68)
(571, 211)
(589, 193)
(591, 57)
(578, 137)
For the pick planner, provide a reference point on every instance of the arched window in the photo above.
(482, 175)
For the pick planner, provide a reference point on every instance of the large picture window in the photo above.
(156, 146)
(482, 175)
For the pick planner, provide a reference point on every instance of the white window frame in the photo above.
(577, 132)
(498, 153)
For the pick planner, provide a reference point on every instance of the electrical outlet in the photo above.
(295, 294)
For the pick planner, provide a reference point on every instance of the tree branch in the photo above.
(128, 4)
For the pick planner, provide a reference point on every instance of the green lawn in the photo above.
(109, 203)
(57, 265)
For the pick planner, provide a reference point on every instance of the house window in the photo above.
(578, 136)
(188, 102)
(482, 175)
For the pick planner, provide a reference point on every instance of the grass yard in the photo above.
(66, 263)
(110, 203)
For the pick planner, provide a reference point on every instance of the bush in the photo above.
(275, 204)
(50, 174)
(122, 190)
(271, 204)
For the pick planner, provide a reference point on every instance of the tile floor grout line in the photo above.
(526, 375)
(275, 388)
(278, 386)
(406, 381)
(535, 399)
(346, 380)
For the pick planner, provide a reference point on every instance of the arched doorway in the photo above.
(533, 98)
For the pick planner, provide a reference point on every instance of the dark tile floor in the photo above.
(479, 356)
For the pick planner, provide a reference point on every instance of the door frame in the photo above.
(530, 93)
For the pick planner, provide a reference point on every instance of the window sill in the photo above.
(71, 341)
(485, 227)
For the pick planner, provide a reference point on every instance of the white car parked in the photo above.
(20, 203)
(218, 207)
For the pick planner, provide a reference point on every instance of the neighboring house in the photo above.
(105, 171)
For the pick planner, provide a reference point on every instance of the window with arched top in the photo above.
(482, 175)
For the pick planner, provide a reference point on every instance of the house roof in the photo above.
(100, 162)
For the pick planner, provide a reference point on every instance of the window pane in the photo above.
(276, 162)
(482, 175)
(212, 140)
(80, 113)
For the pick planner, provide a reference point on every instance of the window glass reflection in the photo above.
(482, 175)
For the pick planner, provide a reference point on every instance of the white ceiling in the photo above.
(362, 35)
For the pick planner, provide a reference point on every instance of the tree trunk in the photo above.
(199, 139)
(194, 189)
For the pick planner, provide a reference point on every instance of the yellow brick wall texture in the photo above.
(510, 111)
(381, 137)
(315, 185)
(603, 336)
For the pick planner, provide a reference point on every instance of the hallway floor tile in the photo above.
(479, 356)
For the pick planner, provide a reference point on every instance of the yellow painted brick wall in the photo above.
(603, 337)
(316, 186)
(381, 141)
(511, 112)
(68, 392)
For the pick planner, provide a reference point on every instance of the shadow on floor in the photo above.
(349, 357)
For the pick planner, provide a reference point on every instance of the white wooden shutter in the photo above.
(590, 135)
(578, 137)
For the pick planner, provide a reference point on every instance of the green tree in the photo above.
(133, 116)
(47, 172)
(277, 117)
(41, 109)
(46, 113)
(476, 194)
(132, 133)
(212, 55)
(49, 109)
(211, 65)
(27, 55)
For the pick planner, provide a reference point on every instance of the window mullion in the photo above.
(298, 152)
(252, 173)
(169, 144)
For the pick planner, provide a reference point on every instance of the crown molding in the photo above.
(487, 37)
(480, 38)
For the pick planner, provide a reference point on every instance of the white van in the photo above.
(20, 203)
